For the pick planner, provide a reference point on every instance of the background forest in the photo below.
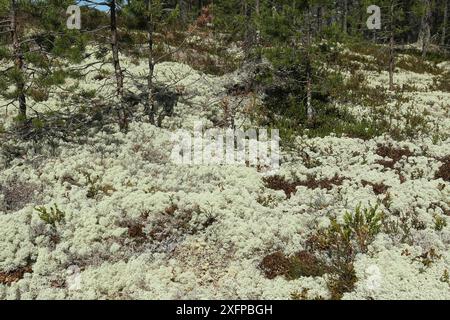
(91, 207)
(299, 39)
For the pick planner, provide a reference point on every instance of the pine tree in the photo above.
(152, 16)
(293, 36)
(38, 52)
(113, 8)
(16, 73)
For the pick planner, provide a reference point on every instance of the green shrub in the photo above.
(442, 82)
(363, 225)
(340, 243)
(330, 251)
(417, 65)
(439, 223)
(52, 216)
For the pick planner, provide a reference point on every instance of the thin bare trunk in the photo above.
(18, 61)
(391, 48)
(115, 49)
(181, 7)
(319, 19)
(391, 62)
(258, 31)
(444, 24)
(309, 107)
(151, 64)
(344, 19)
(294, 6)
(248, 29)
(123, 121)
(425, 28)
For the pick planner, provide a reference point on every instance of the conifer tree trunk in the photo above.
(344, 19)
(182, 8)
(18, 61)
(258, 31)
(115, 49)
(309, 107)
(391, 47)
(425, 28)
(151, 63)
(319, 19)
(123, 121)
(444, 24)
(248, 41)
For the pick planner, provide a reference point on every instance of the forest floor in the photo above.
(114, 218)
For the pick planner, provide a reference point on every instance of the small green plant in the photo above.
(88, 94)
(439, 223)
(37, 123)
(428, 258)
(363, 225)
(52, 216)
(94, 187)
(357, 231)
(306, 264)
(330, 251)
(340, 243)
(269, 200)
(445, 277)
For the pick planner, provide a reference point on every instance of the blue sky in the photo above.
(103, 8)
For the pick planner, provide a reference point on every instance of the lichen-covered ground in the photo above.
(136, 226)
